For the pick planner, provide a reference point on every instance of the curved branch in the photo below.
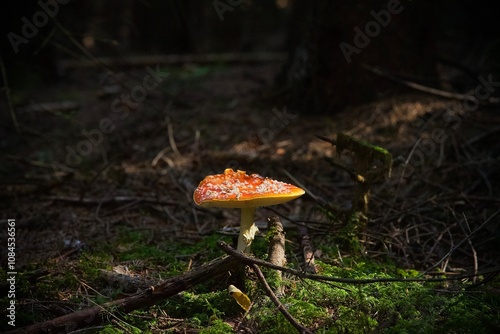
(251, 261)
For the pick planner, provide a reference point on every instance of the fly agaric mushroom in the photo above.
(239, 190)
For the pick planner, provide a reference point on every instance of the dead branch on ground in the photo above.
(450, 95)
(142, 61)
(115, 199)
(53, 107)
(94, 315)
(252, 260)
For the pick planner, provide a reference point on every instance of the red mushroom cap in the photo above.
(239, 190)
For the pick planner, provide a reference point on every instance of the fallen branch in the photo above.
(115, 199)
(37, 187)
(450, 95)
(276, 301)
(251, 261)
(142, 61)
(59, 106)
(94, 315)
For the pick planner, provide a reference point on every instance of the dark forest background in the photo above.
(445, 40)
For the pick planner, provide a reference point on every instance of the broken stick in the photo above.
(276, 252)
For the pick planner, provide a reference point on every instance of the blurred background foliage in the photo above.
(426, 39)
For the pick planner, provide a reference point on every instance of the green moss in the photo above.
(348, 236)
(397, 307)
(367, 155)
(217, 326)
(201, 307)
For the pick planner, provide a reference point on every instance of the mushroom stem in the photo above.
(247, 230)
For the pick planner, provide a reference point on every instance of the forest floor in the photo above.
(100, 183)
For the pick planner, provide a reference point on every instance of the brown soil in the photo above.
(202, 120)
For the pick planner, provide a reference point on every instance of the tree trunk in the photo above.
(335, 38)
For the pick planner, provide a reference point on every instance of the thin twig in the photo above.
(276, 301)
(303, 223)
(7, 95)
(316, 198)
(87, 330)
(99, 220)
(171, 139)
(94, 178)
(90, 56)
(400, 181)
(251, 261)
(474, 253)
(480, 227)
(300, 184)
